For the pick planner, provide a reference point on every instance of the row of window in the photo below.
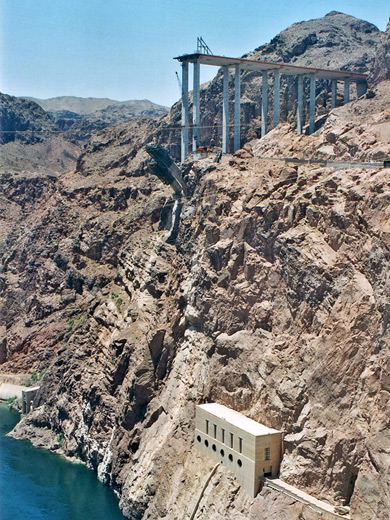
(221, 452)
(267, 455)
(222, 439)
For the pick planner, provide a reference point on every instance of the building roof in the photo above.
(237, 419)
(31, 389)
(264, 66)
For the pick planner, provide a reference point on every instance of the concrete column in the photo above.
(276, 97)
(196, 106)
(334, 93)
(237, 108)
(312, 106)
(361, 88)
(264, 103)
(225, 110)
(184, 110)
(346, 91)
(300, 105)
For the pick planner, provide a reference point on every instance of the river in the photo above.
(38, 485)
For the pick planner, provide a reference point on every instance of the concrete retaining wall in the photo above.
(8, 391)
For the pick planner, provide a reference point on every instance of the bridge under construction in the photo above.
(265, 68)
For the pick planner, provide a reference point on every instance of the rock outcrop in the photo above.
(23, 120)
(381, 68)
(273, 300)
(30, 141)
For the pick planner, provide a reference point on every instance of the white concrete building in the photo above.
(249, 449)
(28, 395)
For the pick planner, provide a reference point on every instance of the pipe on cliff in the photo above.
(202, 491)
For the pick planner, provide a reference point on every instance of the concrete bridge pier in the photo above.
(276, 97)
(346, 91)
(334, 93)
(312, 107)
(237, 108)
(184, 111)
(300, 105)
(361, 88)
(225, 110)
(264, 103)
(196, 107)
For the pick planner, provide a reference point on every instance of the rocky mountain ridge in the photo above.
(82, 117)
(33, 140)
(273, 300)
(85, 106)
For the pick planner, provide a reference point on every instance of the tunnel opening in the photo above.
(351, 486)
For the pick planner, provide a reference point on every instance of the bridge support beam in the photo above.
(361, 88)
(264, 103)
(276, 97)
(334, 93)
(184, 110)
(237, 108)
(312, 107)
(225, 110)
(300, 105)
(346, 91)
(196, 107)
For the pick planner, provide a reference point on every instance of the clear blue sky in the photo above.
(123, 49)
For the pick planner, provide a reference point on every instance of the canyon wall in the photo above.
(272, 300)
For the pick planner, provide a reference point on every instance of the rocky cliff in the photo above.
(23, 120)
(381, 68)
(273, 300)
(35, 141)
(30, 141)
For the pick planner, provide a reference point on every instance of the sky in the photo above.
(124, 49)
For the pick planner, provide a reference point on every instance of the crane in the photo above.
(178, 81)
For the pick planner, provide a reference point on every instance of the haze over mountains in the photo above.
(80, 105)
(273, 298)
(84, 116)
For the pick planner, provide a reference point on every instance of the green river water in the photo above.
(38, 485)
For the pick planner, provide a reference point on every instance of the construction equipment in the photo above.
(165, 168)
(178, 81)
(202, 47)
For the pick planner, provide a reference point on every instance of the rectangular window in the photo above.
(231, 440)
(223, 435)
(207, 427)
(240, 444)
(267, 453)
(215, 431)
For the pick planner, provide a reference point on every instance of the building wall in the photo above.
(240, 451)
(28, 399)
(271, 465)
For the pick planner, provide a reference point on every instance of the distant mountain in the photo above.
(31, 141)
(87, 106)
(23, 120)
(82, 117)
